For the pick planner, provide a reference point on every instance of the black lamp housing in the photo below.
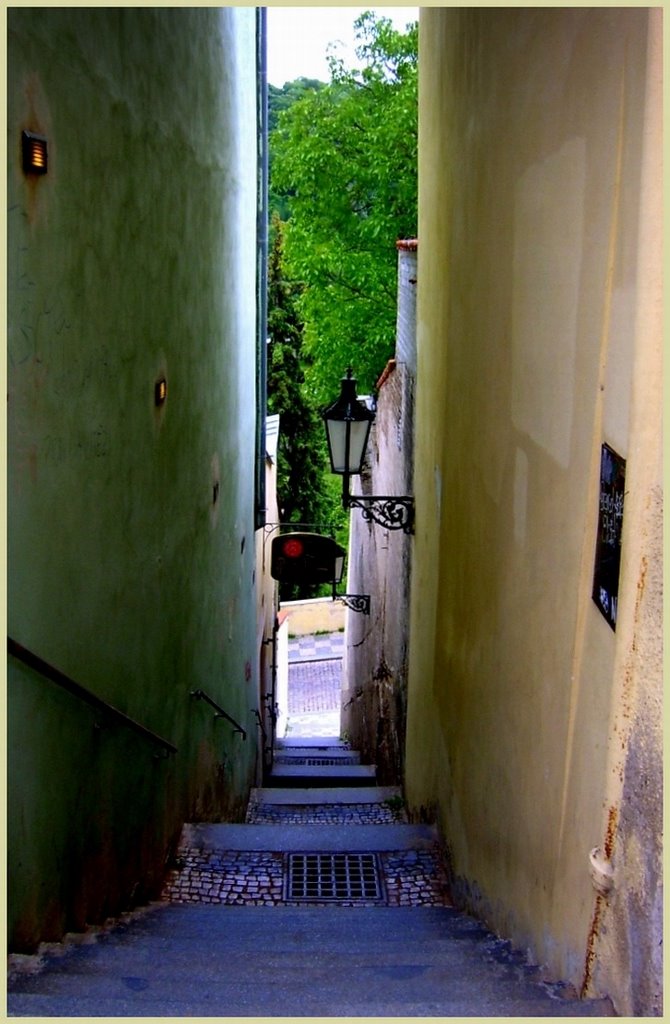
(348, 422)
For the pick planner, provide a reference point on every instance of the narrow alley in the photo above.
(325, 902)
(500, 465)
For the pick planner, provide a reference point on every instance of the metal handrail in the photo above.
(61, 679)
(220, 713)
(259, 720)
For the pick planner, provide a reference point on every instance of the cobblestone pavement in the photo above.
(314, 686)
(325, 814)
(411, 878)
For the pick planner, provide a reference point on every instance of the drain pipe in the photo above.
(261, 262)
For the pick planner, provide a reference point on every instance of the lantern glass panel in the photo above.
(358, 431)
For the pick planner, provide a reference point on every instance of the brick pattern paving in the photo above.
(314, 686)
(411, 877)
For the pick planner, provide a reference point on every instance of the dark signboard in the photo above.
(610, 523)
(306, 558)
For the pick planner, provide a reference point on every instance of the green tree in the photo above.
(280, 99)
(344, 163)
(302, 488)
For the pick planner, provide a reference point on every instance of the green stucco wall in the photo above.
(131, 543)
(531, 353)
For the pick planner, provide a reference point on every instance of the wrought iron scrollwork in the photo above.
(356, 602)
(390, 512)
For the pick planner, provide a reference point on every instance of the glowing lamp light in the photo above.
(35, 155)
(293, 548)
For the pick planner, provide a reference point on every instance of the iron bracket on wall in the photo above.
(393, 513)
(356, 602)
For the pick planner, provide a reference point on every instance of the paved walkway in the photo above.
(316, 646)
(314, 685)
(214, 875)
(412, 878)
(296, 915)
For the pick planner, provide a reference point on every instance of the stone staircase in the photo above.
(326, 902)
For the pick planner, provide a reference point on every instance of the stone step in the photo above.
(322, 742)
(325, 795)
(322, 838)
(326, 775)
(316, 756)
(382, 865)
(294, 962)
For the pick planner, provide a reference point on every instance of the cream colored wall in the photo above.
(531, 153)
(282, 678)
(314, 615)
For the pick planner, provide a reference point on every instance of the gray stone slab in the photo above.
(322, 742)
(326, 795)
(297, 962)
(268, 1001)
(323, 775)
(289, 755)
(321, 838)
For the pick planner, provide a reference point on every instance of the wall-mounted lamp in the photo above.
(348, 424)
(300, 557)
(34, 152)
(160, 391)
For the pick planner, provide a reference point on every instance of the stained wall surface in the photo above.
(374, 692)
(131, 544)
(532, 724)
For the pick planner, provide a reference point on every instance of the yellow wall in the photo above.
(534, 125)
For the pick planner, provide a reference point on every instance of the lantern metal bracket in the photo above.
(393, 513)
(356, 602)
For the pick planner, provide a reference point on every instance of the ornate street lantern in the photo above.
(348, 423)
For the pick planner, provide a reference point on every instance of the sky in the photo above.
(298, 38)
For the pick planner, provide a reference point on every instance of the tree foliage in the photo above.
(280, 99)
(303, 492)
(344, 166)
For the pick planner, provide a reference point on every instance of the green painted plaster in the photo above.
(131, 547)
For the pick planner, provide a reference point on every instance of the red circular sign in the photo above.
(293, 548)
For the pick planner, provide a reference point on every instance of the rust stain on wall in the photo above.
(608, 845)
(594, 931)
(590, 945)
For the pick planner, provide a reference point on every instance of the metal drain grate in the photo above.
(333, 877)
